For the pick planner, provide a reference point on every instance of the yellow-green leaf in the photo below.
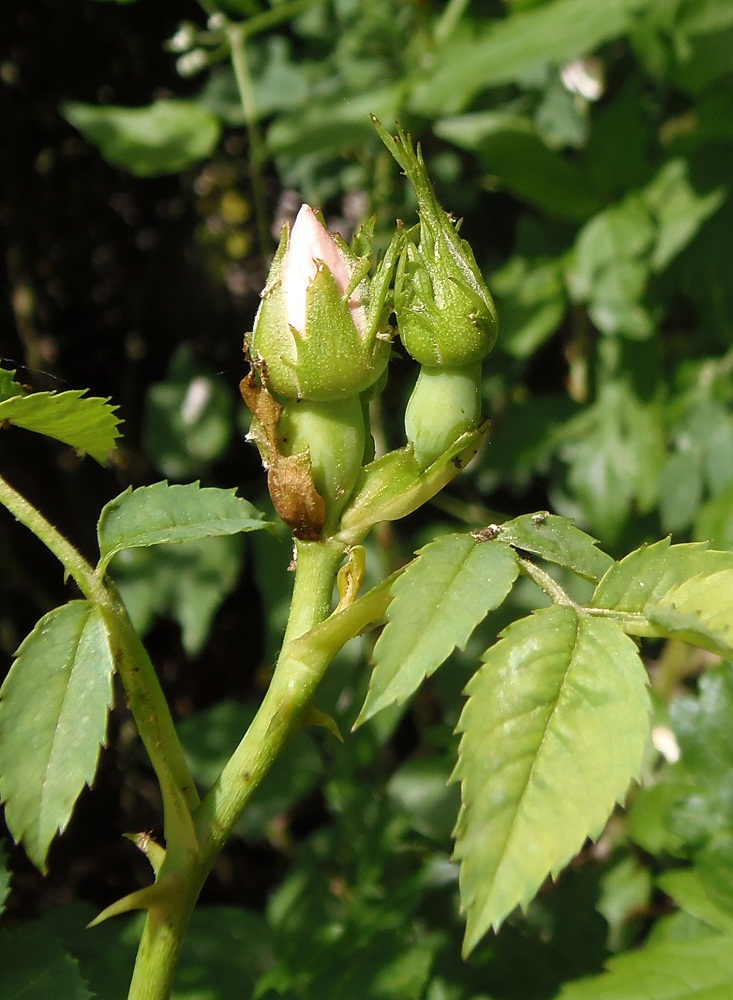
(88, 424)
(53, 720)
(699, 610)
(553, 734)
(153, 515)
(438, 601)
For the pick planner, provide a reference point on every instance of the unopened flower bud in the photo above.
(445, 313)
(318, 334)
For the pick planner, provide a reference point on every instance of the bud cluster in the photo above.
(321, 343)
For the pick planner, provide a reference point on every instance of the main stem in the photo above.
(294, 681)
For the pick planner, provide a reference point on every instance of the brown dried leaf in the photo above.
(295, 497)
(289, 477)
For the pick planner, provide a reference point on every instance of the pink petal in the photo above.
(310, 245)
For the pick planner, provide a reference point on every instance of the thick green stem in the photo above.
(292, 686)
(155, 966)
(297, 674)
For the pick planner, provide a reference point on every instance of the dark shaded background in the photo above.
(103, 276)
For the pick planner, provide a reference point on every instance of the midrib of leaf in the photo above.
(57, 728)
(537, 756)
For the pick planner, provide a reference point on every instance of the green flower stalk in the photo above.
(445, 403)
(445, 313)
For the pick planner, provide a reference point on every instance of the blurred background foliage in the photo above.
(588, 147)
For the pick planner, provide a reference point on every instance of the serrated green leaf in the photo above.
(35, 967)
(438, 601)
(699, 610)
(88, 424)
(646, 574)
(553, 734)
(158, 514)
(56, 699)
(675, 970)
(8, 386)
(557, 540)
(163, 138)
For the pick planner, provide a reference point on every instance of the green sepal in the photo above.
(394, 485)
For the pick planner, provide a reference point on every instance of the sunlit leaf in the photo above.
(163, 138)
(557, 540)
(675, 970)
(647, 573)
(553, 734)
(55, 699)
(87, 423)
(438, 602)
(699, 610)
(157, 514)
